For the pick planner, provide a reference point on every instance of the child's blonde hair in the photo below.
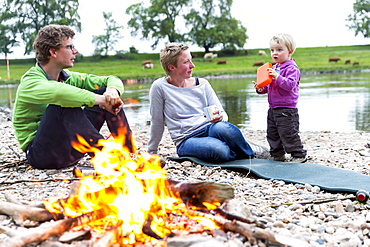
(286, 39)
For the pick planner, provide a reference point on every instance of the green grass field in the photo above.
(308, 59)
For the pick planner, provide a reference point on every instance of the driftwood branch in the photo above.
(38, 181)
(315, 201)
(251, 232)
(238, 218)
(47, 229)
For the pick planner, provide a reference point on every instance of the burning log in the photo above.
(20, 213)
(108, 239)
(252, 230)
(195, 194)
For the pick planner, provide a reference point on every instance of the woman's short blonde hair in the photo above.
(51, 36)
(285, 39)
(170, 55)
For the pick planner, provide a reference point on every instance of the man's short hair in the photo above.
(51, 36)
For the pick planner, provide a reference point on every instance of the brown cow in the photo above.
(147, 64)
(356, 63)
(221, 62)
(347, 62)
(258, 63)
(146, 61)
(334, 59)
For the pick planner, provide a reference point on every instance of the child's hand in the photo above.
(273, 73)
(255, 86)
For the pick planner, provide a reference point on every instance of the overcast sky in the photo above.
(312, 23)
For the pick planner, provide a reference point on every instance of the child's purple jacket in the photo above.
(284, 91)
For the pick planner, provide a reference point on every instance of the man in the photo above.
(54, 105)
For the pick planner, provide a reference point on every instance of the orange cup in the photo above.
(263, 77)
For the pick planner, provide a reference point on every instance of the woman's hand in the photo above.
(217, 117)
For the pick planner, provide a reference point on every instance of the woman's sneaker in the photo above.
(298, 159)
(260, 152)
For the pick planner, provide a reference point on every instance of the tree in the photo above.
(28, 16)
(106, 42)
(212, 25)
(7, 40)
(360, 19)
(158, 21)
(8, 35)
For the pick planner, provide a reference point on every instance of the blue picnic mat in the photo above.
(327, 178)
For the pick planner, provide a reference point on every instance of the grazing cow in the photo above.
(147, 64)
(347, 62)
(210, 55)
(356, 63)
(146, 61)
(262, 53)
(258, 63)
(334, 59)
(221, 62)
(194, 55)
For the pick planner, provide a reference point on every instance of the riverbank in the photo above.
(309, 59)
(306, 212)
(253, 75)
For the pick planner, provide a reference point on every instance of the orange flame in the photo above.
(131, 189)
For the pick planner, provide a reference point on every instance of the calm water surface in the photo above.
(333, 102)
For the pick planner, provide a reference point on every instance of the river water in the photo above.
(329, 102)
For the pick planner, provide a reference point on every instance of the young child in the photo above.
(282, 117)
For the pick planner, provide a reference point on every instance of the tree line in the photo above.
(205, 23)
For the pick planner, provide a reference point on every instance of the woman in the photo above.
(178, 101)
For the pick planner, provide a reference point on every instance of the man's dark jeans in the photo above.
(59, 127)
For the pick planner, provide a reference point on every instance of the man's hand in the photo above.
(112, 96)
(105, 104)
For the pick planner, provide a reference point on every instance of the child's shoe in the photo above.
(298, 159)
(279, 158)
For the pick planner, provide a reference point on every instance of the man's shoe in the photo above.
(279, 158)
(298, 159)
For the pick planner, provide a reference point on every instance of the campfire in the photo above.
(130, 202)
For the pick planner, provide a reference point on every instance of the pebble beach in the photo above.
(301, 211)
